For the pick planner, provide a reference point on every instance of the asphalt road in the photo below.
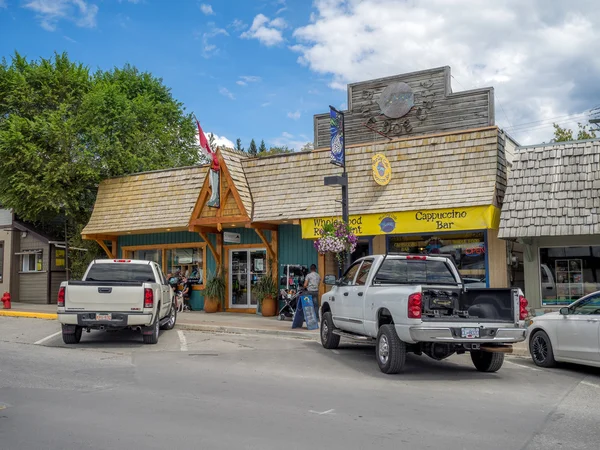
(218, 391)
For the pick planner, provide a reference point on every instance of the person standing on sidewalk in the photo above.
(311, 284)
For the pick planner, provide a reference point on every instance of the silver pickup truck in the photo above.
(116, 294)
(419, 304)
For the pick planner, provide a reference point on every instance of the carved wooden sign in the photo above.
(408, 105)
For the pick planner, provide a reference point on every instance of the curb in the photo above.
(256, 331)
(30, 315)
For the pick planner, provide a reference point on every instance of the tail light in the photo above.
(417, 257)
(148, 298)
(523, 308)
(60, 301)
(414, 306)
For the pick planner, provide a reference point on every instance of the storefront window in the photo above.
(187, 261)
(568, 273)
(467, 250)
(154, 255)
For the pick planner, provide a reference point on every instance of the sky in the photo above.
(260, 69)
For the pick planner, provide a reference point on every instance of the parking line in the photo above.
(587, 383)
(183, 341)
(523, 367)
(47, 338)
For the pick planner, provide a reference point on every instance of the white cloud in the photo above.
(70, 39)
(535, 54)
(207, 9)
(221, 141)
(264, 105)
(245, 79)
(237, 25)
(289, 140)
(268, 32)
(208, 48)
(294, 115)
(226, 93)
(49, 12)
(3, 4)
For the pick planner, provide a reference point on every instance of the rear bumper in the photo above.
(119, 320)
(451, 334)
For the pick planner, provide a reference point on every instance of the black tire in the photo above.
(72, 338)
(329, 340)
(155, 327)
(487, 361)
(172, 318)
(390, 350)
(540, 349)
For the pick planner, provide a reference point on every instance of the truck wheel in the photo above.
(172, 318)
(155, 328)
(72, 338)
(329, 340)
(487, 361)
(540, 349)
(391, 351)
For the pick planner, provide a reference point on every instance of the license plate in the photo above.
(469, 333)
(103, 316)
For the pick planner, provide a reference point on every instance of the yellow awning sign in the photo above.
(421, 221)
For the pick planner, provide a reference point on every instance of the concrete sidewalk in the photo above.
(193, 320)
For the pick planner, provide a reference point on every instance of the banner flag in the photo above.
(338, 148)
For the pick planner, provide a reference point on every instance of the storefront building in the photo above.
(429, 181)
(552, 208)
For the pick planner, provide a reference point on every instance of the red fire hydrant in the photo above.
(6, 300)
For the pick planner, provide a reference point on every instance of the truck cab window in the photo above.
(363, 273)
(348, 277)
(402, 271)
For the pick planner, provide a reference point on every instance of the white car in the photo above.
(569, 335)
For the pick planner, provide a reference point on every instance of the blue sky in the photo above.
(246, 87)
(262, 68)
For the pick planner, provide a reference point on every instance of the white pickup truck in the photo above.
(116, 294)
(419, 304)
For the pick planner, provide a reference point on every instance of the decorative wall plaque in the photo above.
(396, 100)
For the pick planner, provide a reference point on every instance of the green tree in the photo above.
(278, 150)
(64, 129)
(308, 147)
(252, 151)
(238, 145)
(262, 148)
(566, 134)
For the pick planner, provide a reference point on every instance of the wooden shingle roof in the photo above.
(146, 202)
(553, 190)
(459, 169)
(233, 159)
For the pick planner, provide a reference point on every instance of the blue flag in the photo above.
(338, 149)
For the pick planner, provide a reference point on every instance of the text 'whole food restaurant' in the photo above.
(427, 171)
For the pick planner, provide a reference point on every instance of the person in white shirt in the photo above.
(312, 282)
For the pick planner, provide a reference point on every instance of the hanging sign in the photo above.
(338, 148)
(382, 169)
(231, 238)
(421, 221)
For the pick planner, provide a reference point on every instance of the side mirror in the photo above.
(564, 311)
(330, 280)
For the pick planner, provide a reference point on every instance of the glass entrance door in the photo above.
(246, 268)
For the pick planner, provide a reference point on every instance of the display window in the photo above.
(568, 273)
(468, 250)
(186, 261)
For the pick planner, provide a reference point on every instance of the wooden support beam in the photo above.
(212, 248)
(94, 237)
(262, 226)
(115, 245)
(267, 244)
(275, 247)
(321, 271)
(104, 247)
(238, 220)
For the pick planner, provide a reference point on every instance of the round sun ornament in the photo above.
(382, 169)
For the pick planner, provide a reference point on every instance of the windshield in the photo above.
(120, 272)
(403, 271)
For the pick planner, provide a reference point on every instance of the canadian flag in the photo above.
(205, 147)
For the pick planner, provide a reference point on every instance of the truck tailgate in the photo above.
(109, 297)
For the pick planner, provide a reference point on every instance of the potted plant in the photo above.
(214, 292)
(265, 291)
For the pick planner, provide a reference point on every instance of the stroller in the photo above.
(290, 300)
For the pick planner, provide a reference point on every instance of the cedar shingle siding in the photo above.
(553, 190)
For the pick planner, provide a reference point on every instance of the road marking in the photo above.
(587, 383)
(183, 347)
(329, 411)
(47, 338)
(336, 352)
(523, 367)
